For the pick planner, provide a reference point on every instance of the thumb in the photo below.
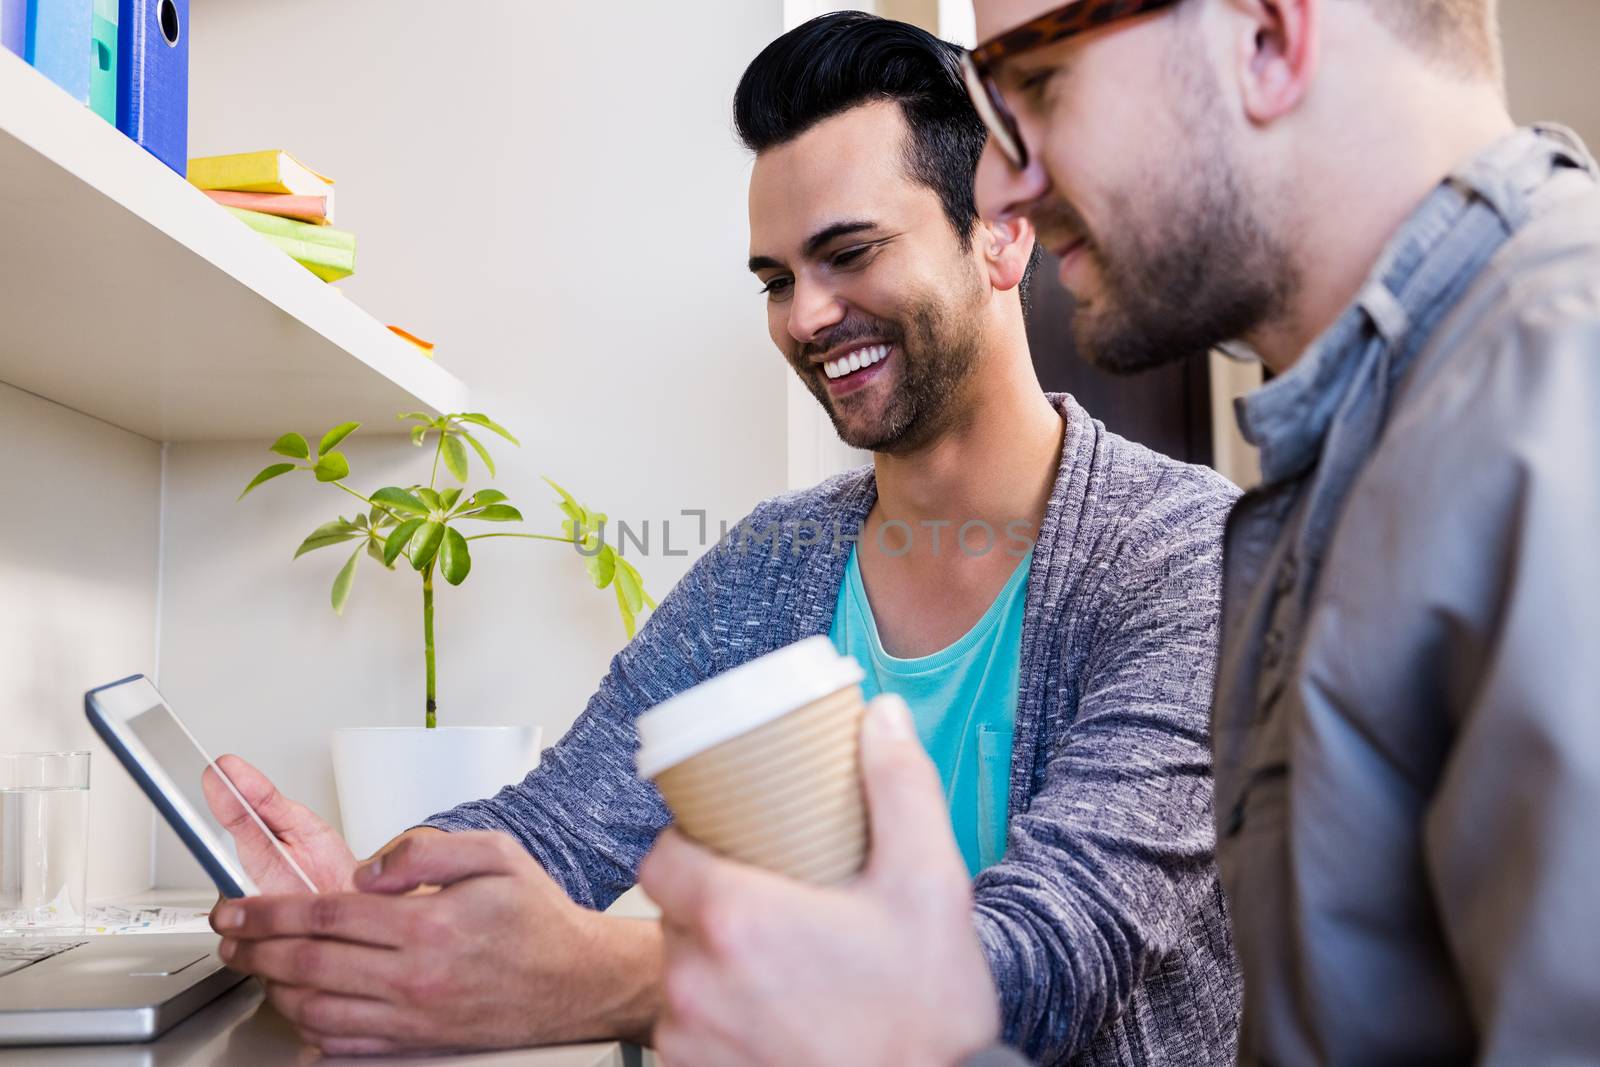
(439, 859)
(906, 810)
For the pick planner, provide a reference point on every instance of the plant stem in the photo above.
(427, 641)
(532, 537)
(437, 452)
(364, 500)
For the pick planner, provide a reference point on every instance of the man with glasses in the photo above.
(1405, 724)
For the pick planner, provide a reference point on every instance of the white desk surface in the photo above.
(240, 1029)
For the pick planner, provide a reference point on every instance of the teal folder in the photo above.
(103, 73)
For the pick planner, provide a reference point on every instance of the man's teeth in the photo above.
(861, 357)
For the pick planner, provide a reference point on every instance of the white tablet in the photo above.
(161, 754)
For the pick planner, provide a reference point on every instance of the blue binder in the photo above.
(153, 77)
(58, 43)
(14, 26)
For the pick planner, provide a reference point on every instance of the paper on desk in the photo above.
(146, 919)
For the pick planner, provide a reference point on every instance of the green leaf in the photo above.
(375, 550)
(495, 513)
(626, 610)
(398, 538)
(292, 445)
(266, 475)
(342, 584)
(331, 439)
(485, 497)
(377, 517)
(434, 501)
(629, 588)
(569, 504)
(638, 582)
(480, 419)
(423, 415)
(417, 434)
(448, 497)
(329, 533)
(454, 560)
(332, 467)
(602, 566)
(361, 520)
(455, 457)
(483, 453)
(425, 543)
(396, 499)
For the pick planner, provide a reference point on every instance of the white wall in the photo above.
(1550, 62)
(78, 577)
(553, 194)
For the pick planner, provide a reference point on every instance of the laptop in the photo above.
(69, 991)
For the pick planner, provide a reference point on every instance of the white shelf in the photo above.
(126, 294)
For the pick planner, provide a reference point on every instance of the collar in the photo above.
(1288, 418)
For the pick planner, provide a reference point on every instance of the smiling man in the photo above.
(1041, 593)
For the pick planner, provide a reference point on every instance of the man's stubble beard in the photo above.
(937, 351)
(1191, 265)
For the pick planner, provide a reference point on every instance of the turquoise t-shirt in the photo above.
(963, 699)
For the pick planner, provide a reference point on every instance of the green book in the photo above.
(278, 226)
(328, 253)
(325, 261)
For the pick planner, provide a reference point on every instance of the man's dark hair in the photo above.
(842, 60)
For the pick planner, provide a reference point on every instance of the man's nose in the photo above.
(812, 309)
(1003, 191)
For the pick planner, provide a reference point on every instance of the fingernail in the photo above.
(889, 717)
(227, 949)
(230, 916)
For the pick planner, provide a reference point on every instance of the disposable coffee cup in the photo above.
(762, 763)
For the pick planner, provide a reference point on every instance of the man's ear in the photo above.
(1007, 247)
(1278, 44)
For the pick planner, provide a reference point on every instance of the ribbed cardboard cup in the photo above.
(762, 763)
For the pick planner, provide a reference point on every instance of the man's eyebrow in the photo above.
(815, 242)
(822, 237)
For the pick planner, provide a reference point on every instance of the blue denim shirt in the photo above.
(1407, 718)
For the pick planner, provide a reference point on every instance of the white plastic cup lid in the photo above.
(737, 701)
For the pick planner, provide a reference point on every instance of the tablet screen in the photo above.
(159, 731)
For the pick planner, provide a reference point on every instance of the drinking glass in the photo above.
(44, 842)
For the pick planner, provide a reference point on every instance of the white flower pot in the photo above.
(391, 778)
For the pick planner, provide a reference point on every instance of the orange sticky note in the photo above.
(425, 347)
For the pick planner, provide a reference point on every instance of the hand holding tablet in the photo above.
(187, 786)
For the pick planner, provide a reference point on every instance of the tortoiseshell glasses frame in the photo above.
(1069, 20)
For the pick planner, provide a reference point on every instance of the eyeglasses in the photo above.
(1070, 20)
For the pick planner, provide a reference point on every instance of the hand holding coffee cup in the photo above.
(762, 763)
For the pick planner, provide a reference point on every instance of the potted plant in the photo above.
(391, 778)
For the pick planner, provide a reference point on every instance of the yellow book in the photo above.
(272, 171)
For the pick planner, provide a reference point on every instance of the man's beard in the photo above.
(1184, 265)
(936, 348)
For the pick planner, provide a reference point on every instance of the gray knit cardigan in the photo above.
(1104, 924)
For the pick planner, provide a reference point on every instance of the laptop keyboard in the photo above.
(15, 955)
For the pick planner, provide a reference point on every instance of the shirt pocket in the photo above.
(994, 792)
